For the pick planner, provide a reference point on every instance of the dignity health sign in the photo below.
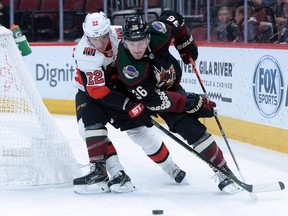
(52, 67)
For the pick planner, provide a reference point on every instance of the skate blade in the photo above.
(97, 188)
(126, 188)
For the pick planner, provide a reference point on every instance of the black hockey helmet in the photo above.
(135, 28)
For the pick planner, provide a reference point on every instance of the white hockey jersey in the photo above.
(94, 63)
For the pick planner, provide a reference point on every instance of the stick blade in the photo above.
(268, 187)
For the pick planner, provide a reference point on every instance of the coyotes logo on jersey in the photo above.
(165, 78)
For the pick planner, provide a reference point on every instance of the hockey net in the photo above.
(33, 151)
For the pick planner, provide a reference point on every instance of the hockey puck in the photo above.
(157, 212)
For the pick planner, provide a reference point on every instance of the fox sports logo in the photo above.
(268, 86)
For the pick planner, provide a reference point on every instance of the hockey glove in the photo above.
(139, 111)
(132, 108)
(199, 105)
(146, 117)
(136, 109)
(187, 48)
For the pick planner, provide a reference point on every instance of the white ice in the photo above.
(198, 196)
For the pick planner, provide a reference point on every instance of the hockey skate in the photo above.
(175, 173)
(225, 184)
(121, 183)
(94, 182)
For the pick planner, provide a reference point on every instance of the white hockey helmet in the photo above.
(96, 24)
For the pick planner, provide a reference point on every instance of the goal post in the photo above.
(33, 151)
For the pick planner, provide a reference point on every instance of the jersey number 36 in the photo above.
(139, 92)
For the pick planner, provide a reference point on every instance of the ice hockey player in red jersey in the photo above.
(97, 103)
(153, 75)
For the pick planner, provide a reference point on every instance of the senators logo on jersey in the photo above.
(89, 51)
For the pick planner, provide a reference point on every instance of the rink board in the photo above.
(247, 82)
(255, 134)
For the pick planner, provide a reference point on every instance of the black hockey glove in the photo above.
(199, 105)
(139, 111)
(136, 109)
(187, 48)
(146, 117)
(132, 108)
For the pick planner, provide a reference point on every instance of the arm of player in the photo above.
(184, 41)
(97, 88)
(158, 100)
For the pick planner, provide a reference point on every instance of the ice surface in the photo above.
(198, 196)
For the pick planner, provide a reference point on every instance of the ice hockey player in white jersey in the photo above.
(98, 103)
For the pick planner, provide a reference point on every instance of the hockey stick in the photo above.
(252, 196)
(216, 117)
(257, 188)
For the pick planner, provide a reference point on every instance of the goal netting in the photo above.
(33, 151)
